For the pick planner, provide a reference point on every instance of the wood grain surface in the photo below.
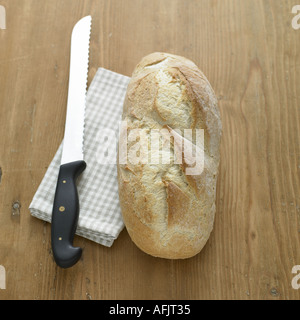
(251, 55)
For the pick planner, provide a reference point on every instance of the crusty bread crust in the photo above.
(168, 213)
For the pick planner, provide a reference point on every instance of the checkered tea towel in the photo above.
(100, 216)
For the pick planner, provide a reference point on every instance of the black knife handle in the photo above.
(65, 215)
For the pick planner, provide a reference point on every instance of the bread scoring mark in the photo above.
(171, 101)
(157, 64)
(178, 203)
(208, 115)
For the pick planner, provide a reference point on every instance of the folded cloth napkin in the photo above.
(100, 217)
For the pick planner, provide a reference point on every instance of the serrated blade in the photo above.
(79, 61)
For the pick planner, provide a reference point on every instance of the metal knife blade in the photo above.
(74, 128)
(65, 210)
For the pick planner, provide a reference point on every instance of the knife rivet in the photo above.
(60, 238)
(62, 209)
(64, 181)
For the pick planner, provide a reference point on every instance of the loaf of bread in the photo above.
(167, 200)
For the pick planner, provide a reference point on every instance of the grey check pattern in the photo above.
(100, 217)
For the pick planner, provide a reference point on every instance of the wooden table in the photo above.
(250, 53)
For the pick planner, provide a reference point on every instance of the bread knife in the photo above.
(65, 210)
